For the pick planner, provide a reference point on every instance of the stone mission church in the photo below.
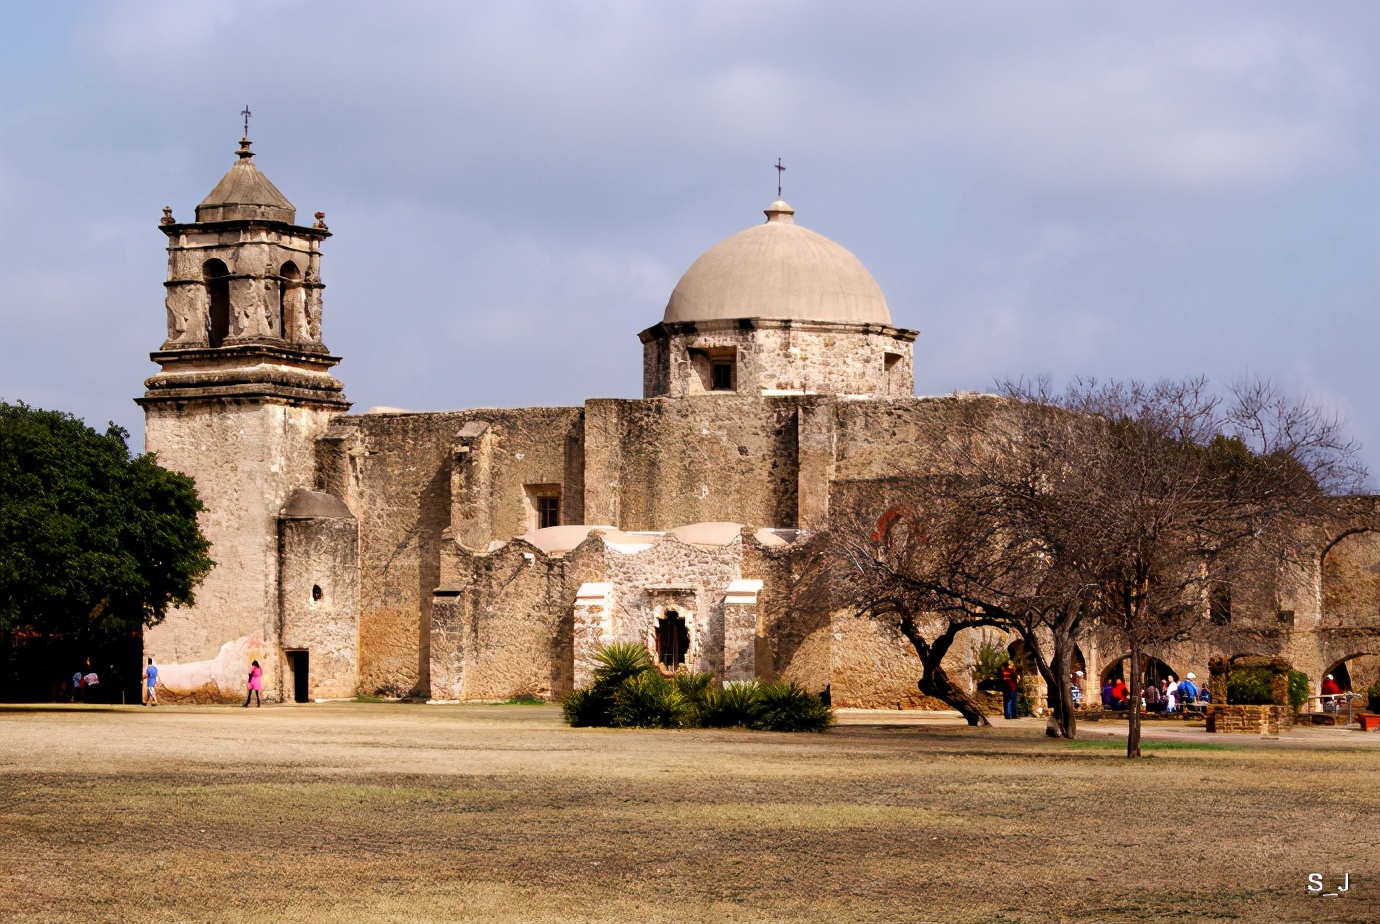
(485, 554)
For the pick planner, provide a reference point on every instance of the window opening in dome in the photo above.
(672, 641)
(716, 367)
(891, 369)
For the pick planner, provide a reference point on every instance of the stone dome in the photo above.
(778, 270)
(245, 193)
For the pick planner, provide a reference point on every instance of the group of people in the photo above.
(1169, 696)
(86, 684)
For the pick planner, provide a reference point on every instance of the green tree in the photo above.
(93, 543)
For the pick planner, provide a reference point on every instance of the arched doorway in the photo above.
(1354, 673)
(1151, 670)
(672, 641)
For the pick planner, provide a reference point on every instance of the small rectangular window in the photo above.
(722, 376)
(548, 512)
(543, 505)
(715, 368)
(1219, 604)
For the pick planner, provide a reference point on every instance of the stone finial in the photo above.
(244, 153)
(321, 221)
(167, 218)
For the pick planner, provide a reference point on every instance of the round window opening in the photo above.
(316, 593)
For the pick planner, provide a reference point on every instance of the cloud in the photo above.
(514, 189)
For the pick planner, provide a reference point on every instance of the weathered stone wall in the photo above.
(247, 458)
(320, 602)
(502, 626)
(1351, 581)
(411, 477)
(498, 454)
(793, 612)
(1249, 720)
(672, 575)
(397, 482)
(664, 463)
(505, 622)
(779, 356)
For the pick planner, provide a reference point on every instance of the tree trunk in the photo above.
(937, 683)
(1062, 691)
(934, 680)
(1133, 724)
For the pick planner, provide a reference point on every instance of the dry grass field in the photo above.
(372, 813)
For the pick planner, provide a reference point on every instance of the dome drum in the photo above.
(771, 356)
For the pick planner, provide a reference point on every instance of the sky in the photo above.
(1119, 190)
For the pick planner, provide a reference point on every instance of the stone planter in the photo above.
(1249, 720)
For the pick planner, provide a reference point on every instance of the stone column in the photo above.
(740, 630)
(471, 486)
(603, 462)
(815, 462)
(448, 624)
(593, 628)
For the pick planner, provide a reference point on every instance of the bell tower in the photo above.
(243, 392)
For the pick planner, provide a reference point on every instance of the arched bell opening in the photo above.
(291, 303)
(216, 277)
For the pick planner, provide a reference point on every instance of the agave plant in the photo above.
(648, 701)
(789, 707)
(619, 661)
(736, 704)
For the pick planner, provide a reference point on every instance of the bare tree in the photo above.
(1175, 487)
(1121, 502)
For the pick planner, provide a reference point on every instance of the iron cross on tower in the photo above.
(246, 113)
(779, 170)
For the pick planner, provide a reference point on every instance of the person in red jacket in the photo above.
(1010, 683)
(1331, 690)
(1119, 689)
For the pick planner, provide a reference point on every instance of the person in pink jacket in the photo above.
(256, 683)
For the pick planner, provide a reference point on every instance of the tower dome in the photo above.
(782, 271)
(244, 192)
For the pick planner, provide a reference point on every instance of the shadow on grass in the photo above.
(1120, 745)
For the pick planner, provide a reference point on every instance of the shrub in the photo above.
(629, 692)
(696, 688)
(585, 707)
(988, 660)
(648, 701)
(789, 707)
(1250, 686)
(1373, 697)
(734, 705)
(1299, 689)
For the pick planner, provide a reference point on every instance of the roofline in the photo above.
(239, 224)
(664, 329)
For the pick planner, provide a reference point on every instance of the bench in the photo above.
(1368, 721)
